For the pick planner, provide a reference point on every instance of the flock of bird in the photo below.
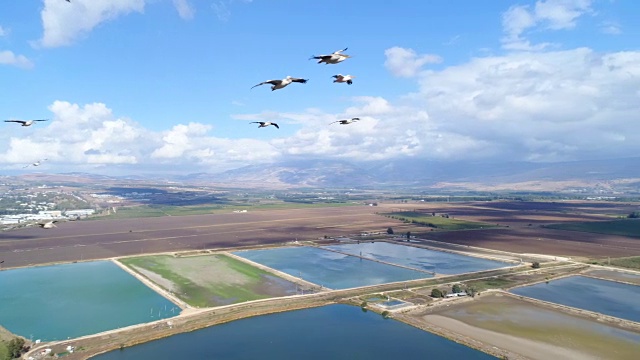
(334, 58)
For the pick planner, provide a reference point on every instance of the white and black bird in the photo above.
(37, 163)
(343, 79)
(346, 121)
(48, 225)
(334, 58)
(279, 84)
(26, 122)
(265, 124)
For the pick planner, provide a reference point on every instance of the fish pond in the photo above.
(418, 258)
(329, 332)
(602, 296)
(70, 300)
(330, 269)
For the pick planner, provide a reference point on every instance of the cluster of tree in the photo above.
(456, 288)
(413, 221)
(535, 265)
(16, 348)
(634, 215)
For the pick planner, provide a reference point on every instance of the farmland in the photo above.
(516, 226)
(622, 227)
(443, 222)
(214, 280)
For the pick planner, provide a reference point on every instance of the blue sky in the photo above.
(164, 85)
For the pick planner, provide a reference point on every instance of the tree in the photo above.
(535, 265)
(408, 235)
(15, 347)
(436, 293)
(456, 289)
(390, 231)
(385, 314)
(471, 291)
(634, 215)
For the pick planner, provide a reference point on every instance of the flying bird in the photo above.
(343, 78)
(265, 124)
(346, 121)
(279, 84)
(37, 163)
(48, 224)
(334, 58)
(26, 122)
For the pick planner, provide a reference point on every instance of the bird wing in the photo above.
(256, 122)
(334, 122)
(17, 121)
(272, 82)
(276, 125)
(323, 57)
(355, 119)
(339, 76)
(339, 51)
(41, 120)
(299, 80)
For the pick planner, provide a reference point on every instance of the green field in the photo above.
(622, 227)
(437, 221)
(212, 280)
(127, 212)
(632, 262)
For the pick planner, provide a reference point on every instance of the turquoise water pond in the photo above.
(71, 300)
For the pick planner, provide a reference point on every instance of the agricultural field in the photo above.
(436, 221)
(522, 227)
(142, 211)
(211, 280)
(622, 227)
(632, 262)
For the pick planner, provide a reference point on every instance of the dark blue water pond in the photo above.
(330, 269)
(330, 332)
(438, 261)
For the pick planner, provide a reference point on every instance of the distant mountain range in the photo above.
(593, 176)
(434, 174)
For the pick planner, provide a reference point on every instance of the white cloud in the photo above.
(550, 14)
(549, 105)
(185, 9)
(404, 62)
(9, 58)
(3, 31)
(64, 22)
(178, 140)
(222, 8)
(611, 28)
(82, 136)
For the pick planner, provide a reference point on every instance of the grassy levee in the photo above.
(437, 221)
(137, 334)
(622, 227)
